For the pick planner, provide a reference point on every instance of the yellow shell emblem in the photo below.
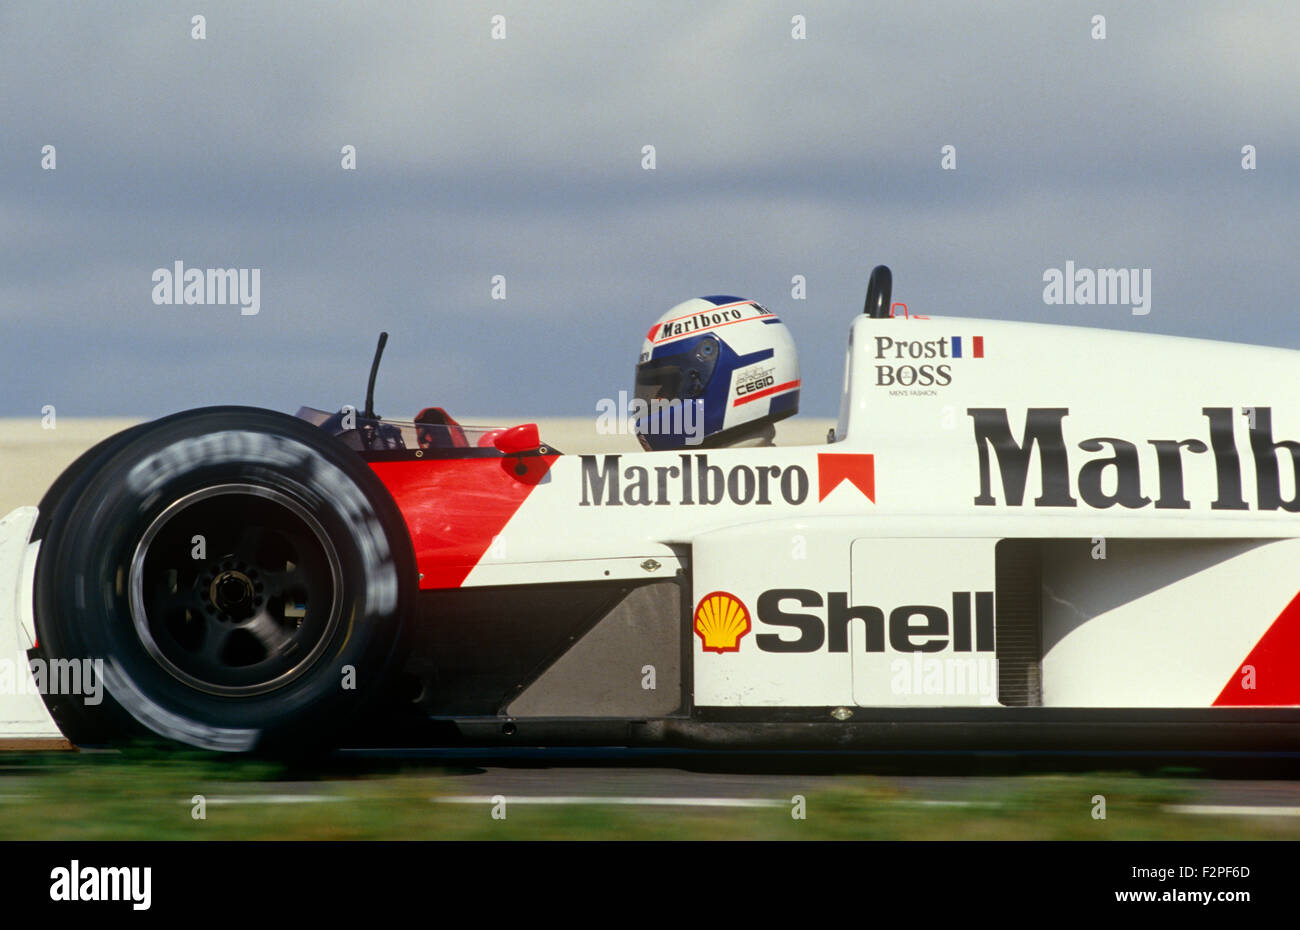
(721, 620)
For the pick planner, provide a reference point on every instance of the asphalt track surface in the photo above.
(1220, 783)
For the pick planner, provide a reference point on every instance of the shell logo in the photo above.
(721, 620)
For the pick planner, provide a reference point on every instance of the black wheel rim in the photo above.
(235, 589)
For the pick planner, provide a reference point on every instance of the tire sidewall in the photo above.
(84, 583)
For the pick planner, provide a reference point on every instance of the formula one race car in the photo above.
(1016, 535)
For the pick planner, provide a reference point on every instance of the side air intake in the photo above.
(1019, 622)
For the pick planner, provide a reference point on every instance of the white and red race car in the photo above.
(1017, 535)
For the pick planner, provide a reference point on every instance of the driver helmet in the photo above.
(714, 371)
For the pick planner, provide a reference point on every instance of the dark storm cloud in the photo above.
(522, 157)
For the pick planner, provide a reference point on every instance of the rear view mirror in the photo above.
(518, 439)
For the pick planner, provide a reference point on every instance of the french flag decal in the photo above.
(976, 349)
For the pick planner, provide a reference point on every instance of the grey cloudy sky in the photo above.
(522, 157)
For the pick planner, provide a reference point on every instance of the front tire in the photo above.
(242, 578)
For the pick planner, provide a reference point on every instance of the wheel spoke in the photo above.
(275, 584)
(271, 635)
(184, 598)
(214, 643)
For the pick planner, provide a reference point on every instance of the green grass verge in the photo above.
(152, 797)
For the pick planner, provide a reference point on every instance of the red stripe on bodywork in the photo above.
(454, 508)
(1275, 661)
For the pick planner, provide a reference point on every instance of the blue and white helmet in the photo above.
(713, 370)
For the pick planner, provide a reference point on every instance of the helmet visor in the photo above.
(684, 374)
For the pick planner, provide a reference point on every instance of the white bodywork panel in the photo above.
(819, 573)
(1172, 635)
(745, 562)
(23, 714)
(952, 581)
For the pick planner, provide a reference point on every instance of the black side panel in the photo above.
(1019, 622)
(478, 648)
(1134, 732)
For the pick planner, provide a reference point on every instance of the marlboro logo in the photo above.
(836, 468)
(702, 320)
(692, 480)
(1116, 476)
